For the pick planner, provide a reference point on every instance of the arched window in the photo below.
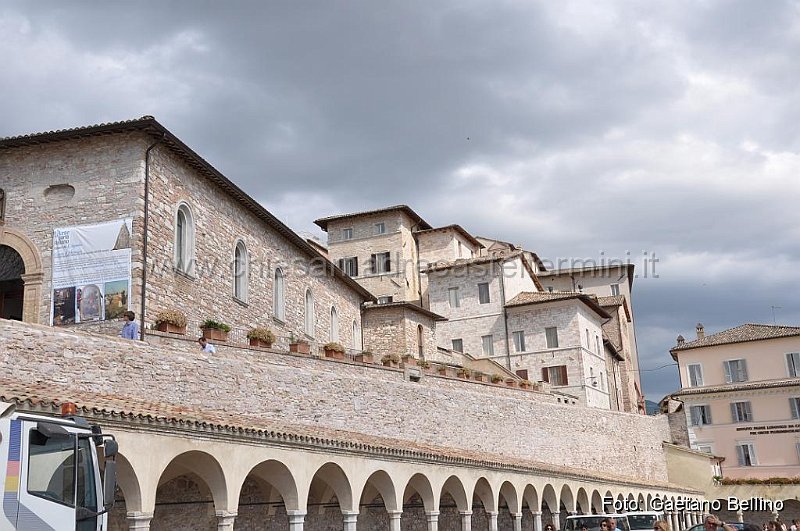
(334, 325)
(421, 341)
(278, 299)
(184, 240)
(309, 313)
(356, 336)
(240, 271)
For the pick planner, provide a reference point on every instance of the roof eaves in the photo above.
(323, 222)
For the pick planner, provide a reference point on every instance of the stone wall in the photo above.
(372, 400)
(390, 329)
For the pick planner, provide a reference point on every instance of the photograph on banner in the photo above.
(91, 272)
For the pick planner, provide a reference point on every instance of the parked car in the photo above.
(643, 520)
(592, 522)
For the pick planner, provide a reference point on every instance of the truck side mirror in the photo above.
(109, 483)
(111, 448)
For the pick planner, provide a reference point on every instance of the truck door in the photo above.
(50, 484)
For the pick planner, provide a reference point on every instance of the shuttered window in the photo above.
(695, 375)
(519, 341)
(700, 415)
(458, 345)
(793, 364)
(556, 375)
(380, 263)
(741, 412)
(349, 266)
(488, 345)
(794, 404)
(735, 371)
(746, 454)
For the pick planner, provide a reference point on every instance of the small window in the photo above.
(794, 405)
(309, 314)
(793, 364)
(705, 448)
(551, 336)
(452, 295)
(614, 289)
(356, 336)
(240, 271)
(488, 345)
(334, 335)
(700, 415)
(278, 306)
(483, 293)
(460, 249)
(519, 341)
(184, 239)
(741, 412)
(588, 344)
(381, 263)
(746, 453)
(735, 371)
(695, 375)
(550, 289)
(602, 382)
(379, 228)
(349, 266)
(2, 206)
(386, 299)
(458, 345)
(556, 375)
(347, 234)
(597, 343)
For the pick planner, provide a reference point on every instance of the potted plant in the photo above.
(444, 370)
(497, 378)
(172, 321)
(463, 372)
(261, 337)
(424, 364)
(334, 350)
(365, 357)
(391, 360)
(525, 384)
(409, 360)
(511, 382)
(299, 345)
(215, 330)
(479, 376)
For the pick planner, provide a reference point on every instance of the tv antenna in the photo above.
(773, 312)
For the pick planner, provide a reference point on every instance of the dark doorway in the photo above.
(11, 286)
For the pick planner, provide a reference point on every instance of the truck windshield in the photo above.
(50, 470)
(592, 522)
(87, 489)
(642, 521)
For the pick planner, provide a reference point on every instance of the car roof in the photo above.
(596, 516)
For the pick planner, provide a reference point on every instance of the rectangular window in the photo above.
(746, 453)
(386, 299)
(349, 266)
(488, 345)
(519, 341)
(381, 263)
(483, 293)
(700, 415)
(347, 234)
(614, 290)
(458, 345)
(452, 296)
(793, 364)
(741, 412)
(794, 405)
(705, 448)
(551, 335)
(379, 228)
(695, 375)
(556, 375)
(597, 343)
(735, 371)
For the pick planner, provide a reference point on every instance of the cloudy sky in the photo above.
(574, 128)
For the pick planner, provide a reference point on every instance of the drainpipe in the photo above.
(144, 230)
(505, 316)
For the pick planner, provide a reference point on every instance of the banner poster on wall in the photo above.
(91, 272)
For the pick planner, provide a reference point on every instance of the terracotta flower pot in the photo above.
(335, 354)
(511, 383)
(215, 334)
(365, 357)
(171, 328)
(255, 342)
(300, 348)
(409, 361)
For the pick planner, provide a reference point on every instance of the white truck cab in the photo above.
(592, 522)
(643, 520)
(51, 472)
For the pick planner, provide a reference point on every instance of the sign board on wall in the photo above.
(91, 272)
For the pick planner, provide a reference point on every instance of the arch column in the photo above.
(433, 520)
(296, 520)
(394, 520)
(673, 520)
(349, 518)
(739, 515)
(537, 520)
(225, 520)
(138, 521)
(466, 520)
(686, 519)
(492, 515)
(31, 296)
(556, 520)
(517, 521)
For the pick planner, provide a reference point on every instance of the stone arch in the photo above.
(380, 482)
(582, 502)
(597, 502)
(509, 494)
(641, 501)
(567, 499)
(531, 497)
(609, 497)
(549, 499)
(129, 487)
(455, 488)
(483, 490)
(330, 480)
(420, 485)
(193, 479)
(268, 493)
(32, 277)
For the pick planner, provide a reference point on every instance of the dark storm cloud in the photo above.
(577, 129)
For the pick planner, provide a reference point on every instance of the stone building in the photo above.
(198, 244)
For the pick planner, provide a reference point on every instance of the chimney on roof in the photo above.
(700, 332)
(681, 341)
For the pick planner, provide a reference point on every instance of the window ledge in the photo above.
(240, 302)
(182, 273)
(278, 321)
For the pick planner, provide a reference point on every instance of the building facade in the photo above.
(740, 390)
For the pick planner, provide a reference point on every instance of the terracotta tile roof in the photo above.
(439, 266)
(407, 305)
(542, 297)
(149, 126)
(615, 300)
(456, 228)
(741, 334)
(739, 386)
(323, 222)
(107, 409)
